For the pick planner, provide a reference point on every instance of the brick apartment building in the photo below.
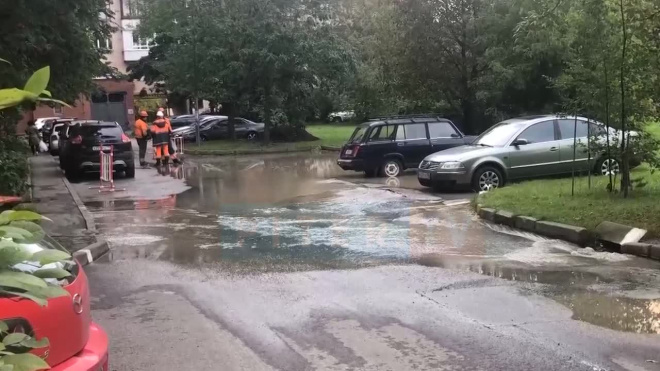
(114, 100)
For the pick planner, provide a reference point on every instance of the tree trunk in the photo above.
(231, 124)
(267, 117)
(625, 174)
(610, 187)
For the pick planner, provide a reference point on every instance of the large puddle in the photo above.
(284, 214)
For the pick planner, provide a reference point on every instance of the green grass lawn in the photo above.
(332, 135)
(550, 199)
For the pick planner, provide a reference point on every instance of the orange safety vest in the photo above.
(140, 129)
(159, 133)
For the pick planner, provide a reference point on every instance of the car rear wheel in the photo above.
(129, 172)
(72, 174)
(486, 179)
(391, 168)
(607, 166)
(252, 135)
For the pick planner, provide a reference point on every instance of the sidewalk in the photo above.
(54, 201)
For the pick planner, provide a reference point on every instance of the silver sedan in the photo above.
(520, 148)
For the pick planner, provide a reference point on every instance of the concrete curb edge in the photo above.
(92, 252)
(89, 219)
(212, 152)
(577, 235)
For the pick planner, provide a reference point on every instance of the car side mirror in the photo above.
(520, 142)
(455, 135)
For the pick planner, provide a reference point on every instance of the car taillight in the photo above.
(76, 140)
(352, 151)
(125, 138)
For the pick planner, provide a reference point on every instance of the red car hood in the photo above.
(64, 321)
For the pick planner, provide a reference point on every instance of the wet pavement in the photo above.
(287, 262)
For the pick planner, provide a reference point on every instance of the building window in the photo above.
(57, 109)
(140, 43)
(104, 44)
(131, 8)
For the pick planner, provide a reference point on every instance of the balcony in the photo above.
(134, 47)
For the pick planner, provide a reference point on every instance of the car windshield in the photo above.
(500, 134)
(113, 131)
(358, 134)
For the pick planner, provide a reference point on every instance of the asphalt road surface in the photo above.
(288, 263)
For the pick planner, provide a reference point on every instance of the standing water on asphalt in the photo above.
(296, 213)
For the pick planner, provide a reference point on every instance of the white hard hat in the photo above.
(160, 114)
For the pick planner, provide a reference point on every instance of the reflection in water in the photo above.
(570, 288)
(617, 313)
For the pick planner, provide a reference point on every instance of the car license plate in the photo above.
(424, 175)
(348, 152)
(98, 148)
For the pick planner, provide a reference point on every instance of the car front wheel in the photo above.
(391, 168)
(486, 179)
(607, 166)
(252, 135)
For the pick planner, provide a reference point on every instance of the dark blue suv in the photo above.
(388, 146)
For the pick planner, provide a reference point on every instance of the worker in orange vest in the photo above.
(141, 132)
(160, 139)
(171, 146)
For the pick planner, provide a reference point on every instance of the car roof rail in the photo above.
(409, 116)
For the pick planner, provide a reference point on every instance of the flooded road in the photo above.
(296, 234)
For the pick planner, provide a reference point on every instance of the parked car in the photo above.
(83, 141)
(341, 116)
(41, 121)
(217, 127)
(391, 145)
(519, 148)
(53, 135)
(76, 343)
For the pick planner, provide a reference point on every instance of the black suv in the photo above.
(83, 141)
(387, 146)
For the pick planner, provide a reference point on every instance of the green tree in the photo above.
(259, 56)
(61, 34)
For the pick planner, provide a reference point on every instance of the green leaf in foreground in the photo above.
(13, 339)
(40, 301)
(3, 327)
(38, 82)
(17, 234)
(58, 273)
(33, 343)
(50, 256)
(36, 232)
(12, 253)
(26, 362)
(20, 280)
(24, 215)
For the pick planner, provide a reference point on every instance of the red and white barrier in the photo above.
(107, 182)
(178, 143)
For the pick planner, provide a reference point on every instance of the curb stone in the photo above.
(577, 235)
(89, 219)
(636, 248)
(526, 223)
(92, 252)
(487, 213)
(504, 217)
(654, 252)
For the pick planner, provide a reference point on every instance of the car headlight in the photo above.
(451, 165)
